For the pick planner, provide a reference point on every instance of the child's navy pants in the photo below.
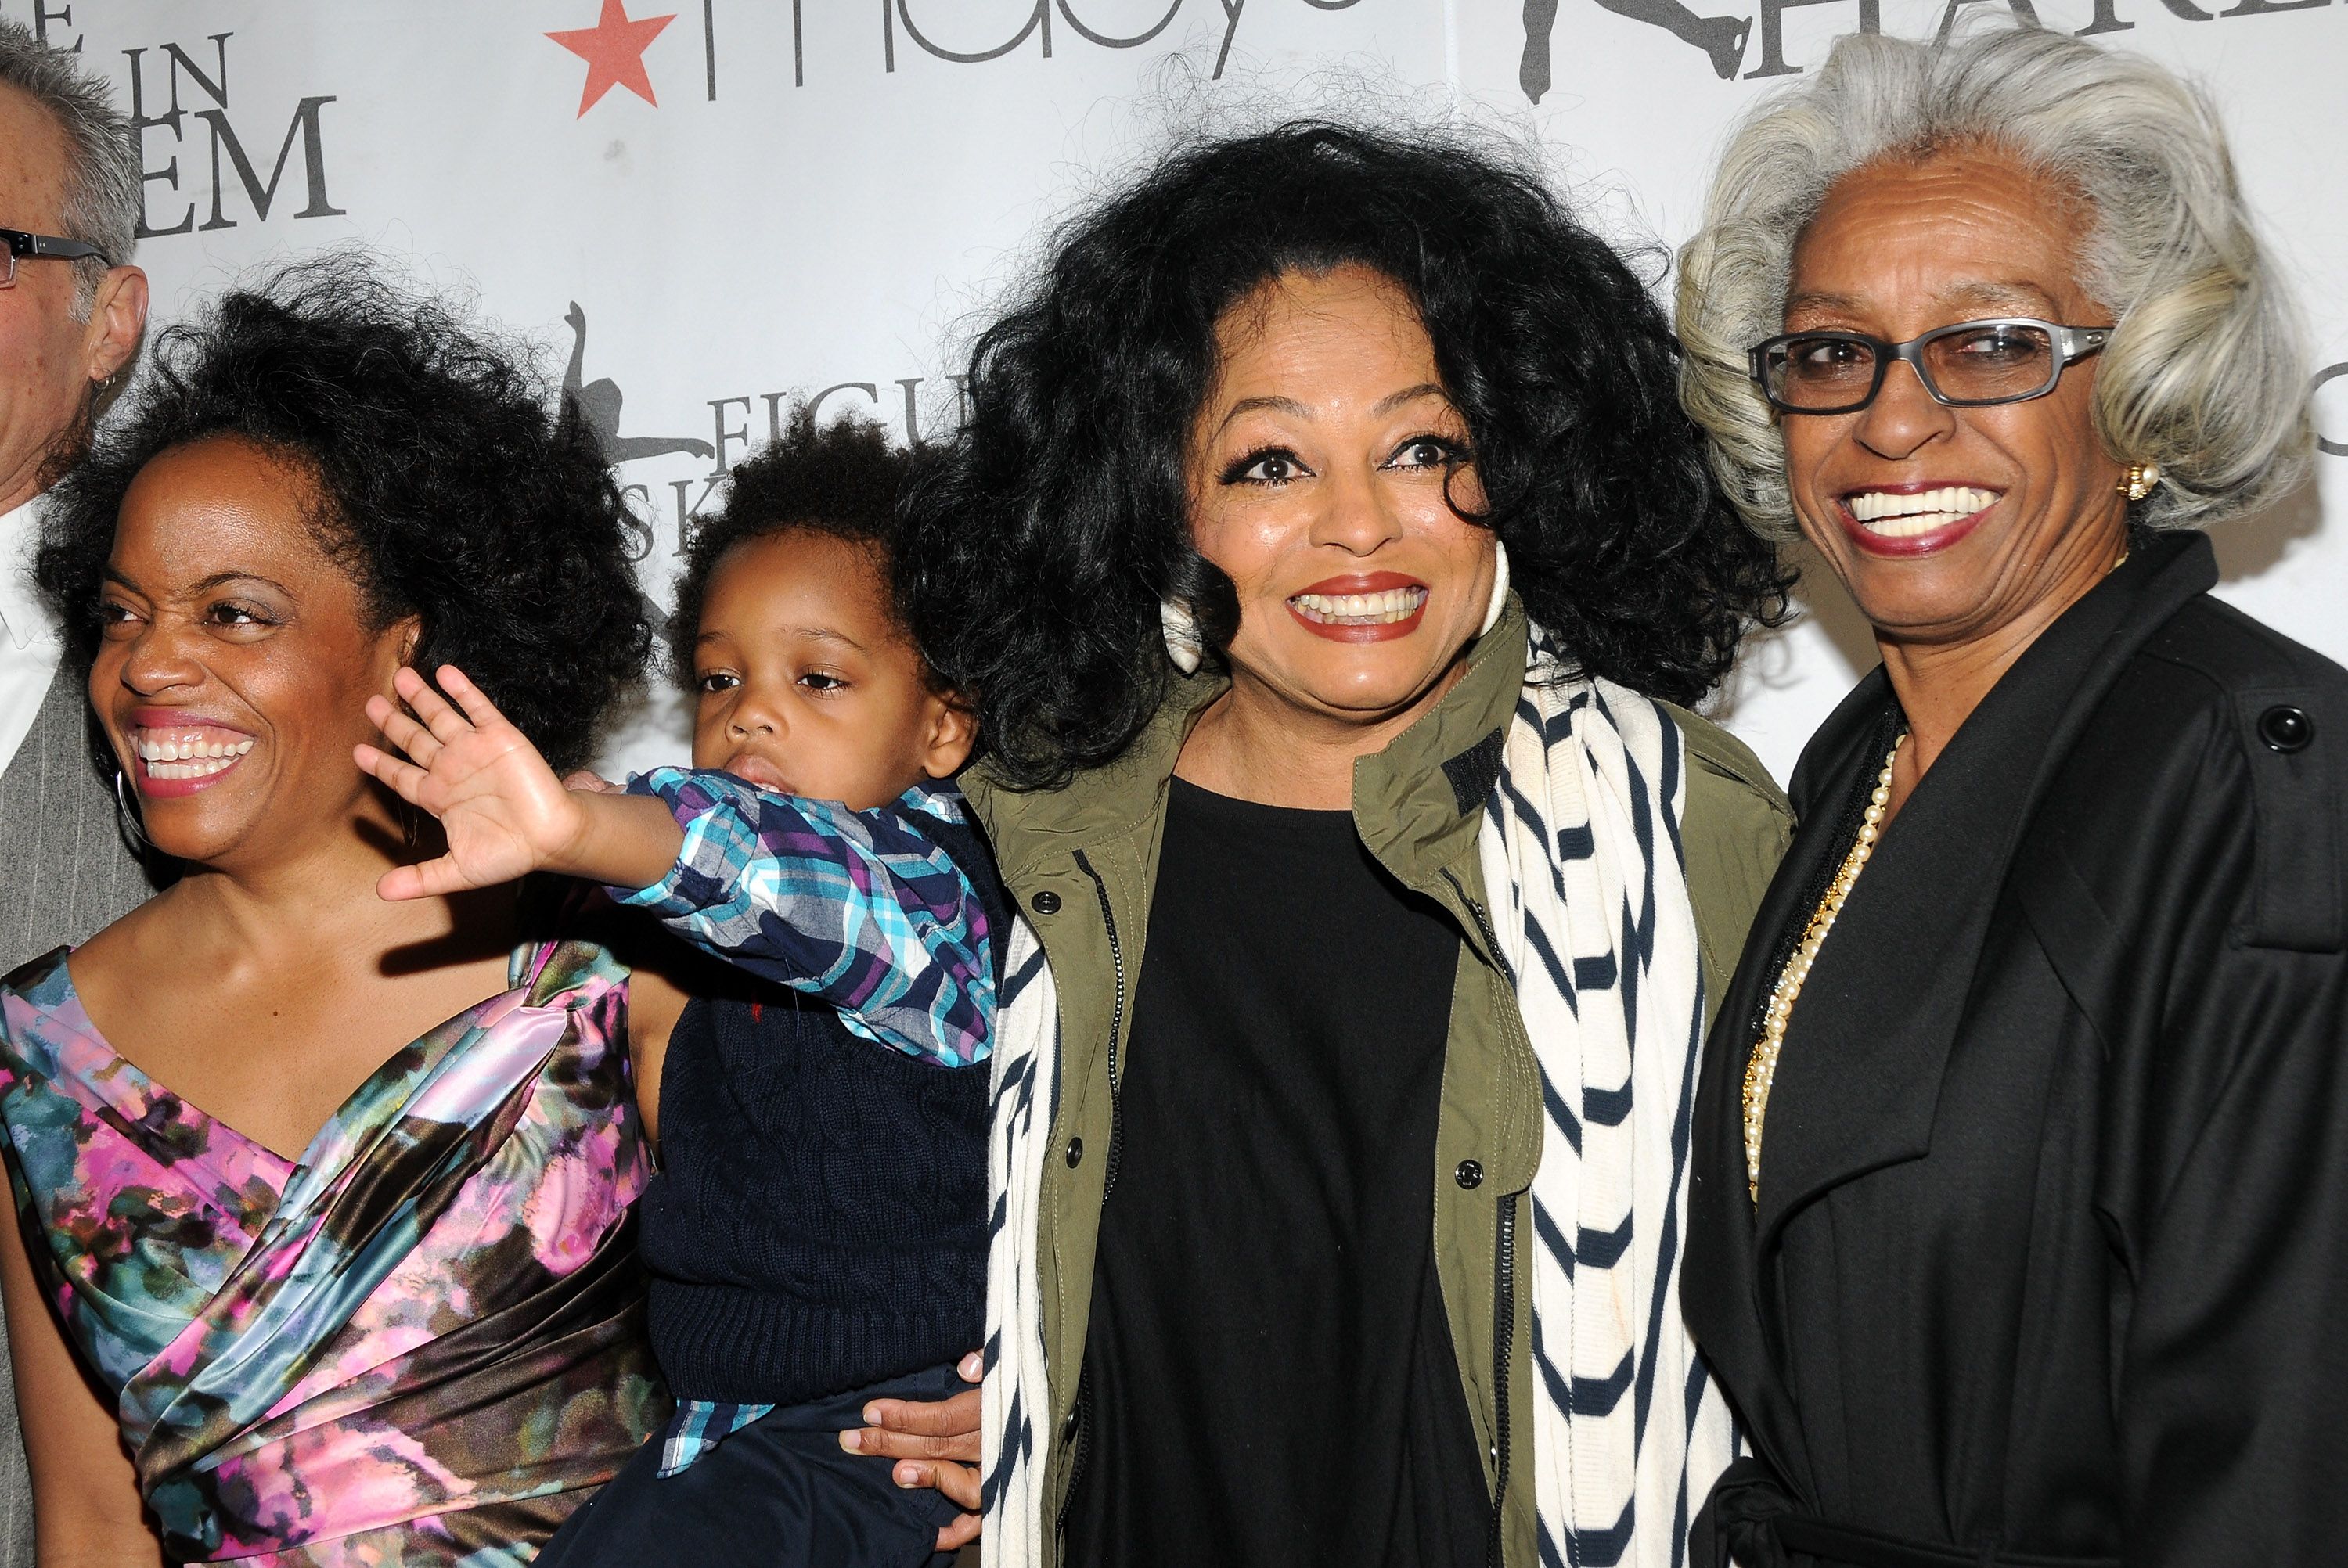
(780, 1494)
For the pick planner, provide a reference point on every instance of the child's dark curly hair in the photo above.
(843, 479)
(445, 488)
(1037, 549)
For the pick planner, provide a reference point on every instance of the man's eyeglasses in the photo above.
(15, 244)
(1971, 365)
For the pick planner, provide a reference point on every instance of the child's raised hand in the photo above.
(503, 811)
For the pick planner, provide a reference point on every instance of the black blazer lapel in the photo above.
(1716, 1288)
(1857, 1088)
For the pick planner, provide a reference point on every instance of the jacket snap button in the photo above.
(1075, 1153)
(2286, 729)
(1469, 1175)
(1046, 903)
(1068, 1428)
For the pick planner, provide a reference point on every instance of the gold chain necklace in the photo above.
(1761, 1067)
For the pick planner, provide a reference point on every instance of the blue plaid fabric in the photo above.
(698, 1426)
(859, 907)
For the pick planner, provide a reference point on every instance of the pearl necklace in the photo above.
(1761, 1067)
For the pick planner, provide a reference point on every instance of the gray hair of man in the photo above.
(102, 190)
(2206, 375)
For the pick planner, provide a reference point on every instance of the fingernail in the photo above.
(908, 1475)
(973, 1366)
(851, 1439)
(872, 1415)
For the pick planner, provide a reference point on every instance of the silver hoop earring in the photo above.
(1183, 644)
(126, 819)
(1499, 587)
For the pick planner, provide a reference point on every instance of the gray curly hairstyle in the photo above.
(2205, 375)
(102, 188)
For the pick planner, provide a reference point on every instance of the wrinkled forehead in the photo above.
(32, 159)
(1962, 233)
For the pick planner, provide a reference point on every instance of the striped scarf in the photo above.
(1582, 856)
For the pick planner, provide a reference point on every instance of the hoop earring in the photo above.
(1181, 631)
(1499, 587)
(126, 819)
(2139, 480)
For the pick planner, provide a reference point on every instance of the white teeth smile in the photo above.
(1894, 517)
(188, 753)
(1361, 609)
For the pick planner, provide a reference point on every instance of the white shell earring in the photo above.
(1499, 587)
(1183, 644)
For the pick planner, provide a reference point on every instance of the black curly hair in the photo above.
(446, 486)
(842, 480)
(1037, 547)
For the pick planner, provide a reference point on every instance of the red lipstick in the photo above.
(1909, 546)
(1352, 625)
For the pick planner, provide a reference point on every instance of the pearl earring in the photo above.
(2138, 481)
(1499, 587)
(1183, 644)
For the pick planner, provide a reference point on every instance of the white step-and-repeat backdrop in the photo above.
(702, 210)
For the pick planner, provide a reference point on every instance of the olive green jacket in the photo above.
(1081, 862)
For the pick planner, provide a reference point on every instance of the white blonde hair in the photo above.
(2206, 373)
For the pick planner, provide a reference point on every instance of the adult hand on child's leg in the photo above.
(935, 1443)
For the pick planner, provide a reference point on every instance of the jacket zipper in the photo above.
(1116, 1027)
(1109, 1177)
(1077, 1458)
(1504, 1284)
(1504, 1333)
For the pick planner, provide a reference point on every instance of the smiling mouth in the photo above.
(1380, 609)
(188, 752)
(1890, 516)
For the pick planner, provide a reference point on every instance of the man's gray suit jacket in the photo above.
(64, 872)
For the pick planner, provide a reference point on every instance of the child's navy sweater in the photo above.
(819, 1221)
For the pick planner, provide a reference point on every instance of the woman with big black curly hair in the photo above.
(1326, 551)
(361, 1283)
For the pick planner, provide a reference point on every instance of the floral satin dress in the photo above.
(421, 1342)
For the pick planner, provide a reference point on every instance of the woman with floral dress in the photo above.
(324, 1254)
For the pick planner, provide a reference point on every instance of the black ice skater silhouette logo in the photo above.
(598, 403)
(1720, 38)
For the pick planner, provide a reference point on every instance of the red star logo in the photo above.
(614, 49)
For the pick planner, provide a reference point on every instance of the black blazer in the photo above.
(2050, 1263)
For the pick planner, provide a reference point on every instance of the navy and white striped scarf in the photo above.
(1582, 860)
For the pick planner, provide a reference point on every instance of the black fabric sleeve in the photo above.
(2228, 1189)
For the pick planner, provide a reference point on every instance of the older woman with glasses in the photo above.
(2021, 1171)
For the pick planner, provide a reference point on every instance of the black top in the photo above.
(819, 1223)
(1269, 1376)
(2047, 1264)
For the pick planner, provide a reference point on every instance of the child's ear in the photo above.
(954, 731)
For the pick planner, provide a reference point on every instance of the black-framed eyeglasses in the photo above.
(18, 244)
(1971, 365)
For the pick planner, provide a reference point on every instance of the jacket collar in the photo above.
(1416, 804)
(1419, 802)
(1873, 1073)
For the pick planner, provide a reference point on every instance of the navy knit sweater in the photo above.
(819, 1222)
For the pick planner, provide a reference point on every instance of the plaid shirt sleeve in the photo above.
(859, 907)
